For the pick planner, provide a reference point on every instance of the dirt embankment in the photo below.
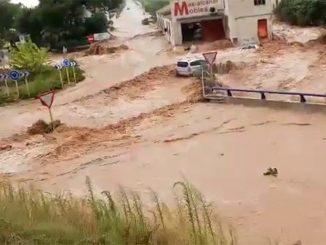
(101, 48)
(137, 86)
(142, 83)
(73, 139)
(72, 142)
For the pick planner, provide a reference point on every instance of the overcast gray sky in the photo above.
(28, 3)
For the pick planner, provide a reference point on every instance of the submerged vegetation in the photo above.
(30, 216)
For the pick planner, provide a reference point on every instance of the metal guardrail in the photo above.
(264, 92)
(209, 91)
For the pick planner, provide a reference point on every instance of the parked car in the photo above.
(190, 66)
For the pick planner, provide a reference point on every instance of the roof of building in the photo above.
(166, 10)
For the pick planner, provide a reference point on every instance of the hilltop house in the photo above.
(241, 21)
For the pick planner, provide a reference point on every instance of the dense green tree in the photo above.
(302, 12)
(56, 23)
(8, 14)
(97, 23)
(151, 6)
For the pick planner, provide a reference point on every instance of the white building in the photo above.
(241, 21)
(275, 3)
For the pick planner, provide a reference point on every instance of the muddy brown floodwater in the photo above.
(134, 123)
(222, 149)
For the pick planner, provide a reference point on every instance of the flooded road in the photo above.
(101, 72)
(224, 151)
(128, 23)
(151, 131)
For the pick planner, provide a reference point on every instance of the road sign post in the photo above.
(60, 76)
(25, 76)
(210, 58)
(67, 72)
(66, 63)
(4, 77)
(73, 64)
(6, 84)
(47, 101)
(59, 67)
(27, 87)
(15, 75)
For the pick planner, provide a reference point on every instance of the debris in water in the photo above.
(5, 147)
(250, 46)
(42, 127)
(145, 21)
(100, 48)
(271, 172)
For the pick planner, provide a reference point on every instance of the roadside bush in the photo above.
(29, 57)
(29, 216)
(151, 6)
(302, 12)
(44, 81)
(96, 24)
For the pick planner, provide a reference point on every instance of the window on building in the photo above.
(259, 2)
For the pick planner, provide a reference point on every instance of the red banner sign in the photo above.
(90, 39)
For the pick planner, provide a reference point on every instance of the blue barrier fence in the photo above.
(264, 92)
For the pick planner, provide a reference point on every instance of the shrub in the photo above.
(29, 57)
(151, 6)
(96, 24)
(39, 83)
(302, 12)
(29, 216)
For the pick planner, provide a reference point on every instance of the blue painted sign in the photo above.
(14, 75)
(66, 63)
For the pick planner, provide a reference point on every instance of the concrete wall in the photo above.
(240, 20)
(243, 18)
(241, 8)
(247, 29)
(177, 33)
(169, 30)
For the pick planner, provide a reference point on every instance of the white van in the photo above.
(190, 66)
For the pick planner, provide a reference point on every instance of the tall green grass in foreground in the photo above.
(29, 216)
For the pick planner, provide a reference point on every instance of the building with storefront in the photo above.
(241, 21)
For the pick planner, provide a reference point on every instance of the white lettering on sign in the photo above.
(195, 8)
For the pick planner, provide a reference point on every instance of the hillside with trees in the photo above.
(302, 12)
(151, 6)
(55, 23)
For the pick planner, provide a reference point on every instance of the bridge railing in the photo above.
(229, 93)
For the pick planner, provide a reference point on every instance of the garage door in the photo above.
(213, 29)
